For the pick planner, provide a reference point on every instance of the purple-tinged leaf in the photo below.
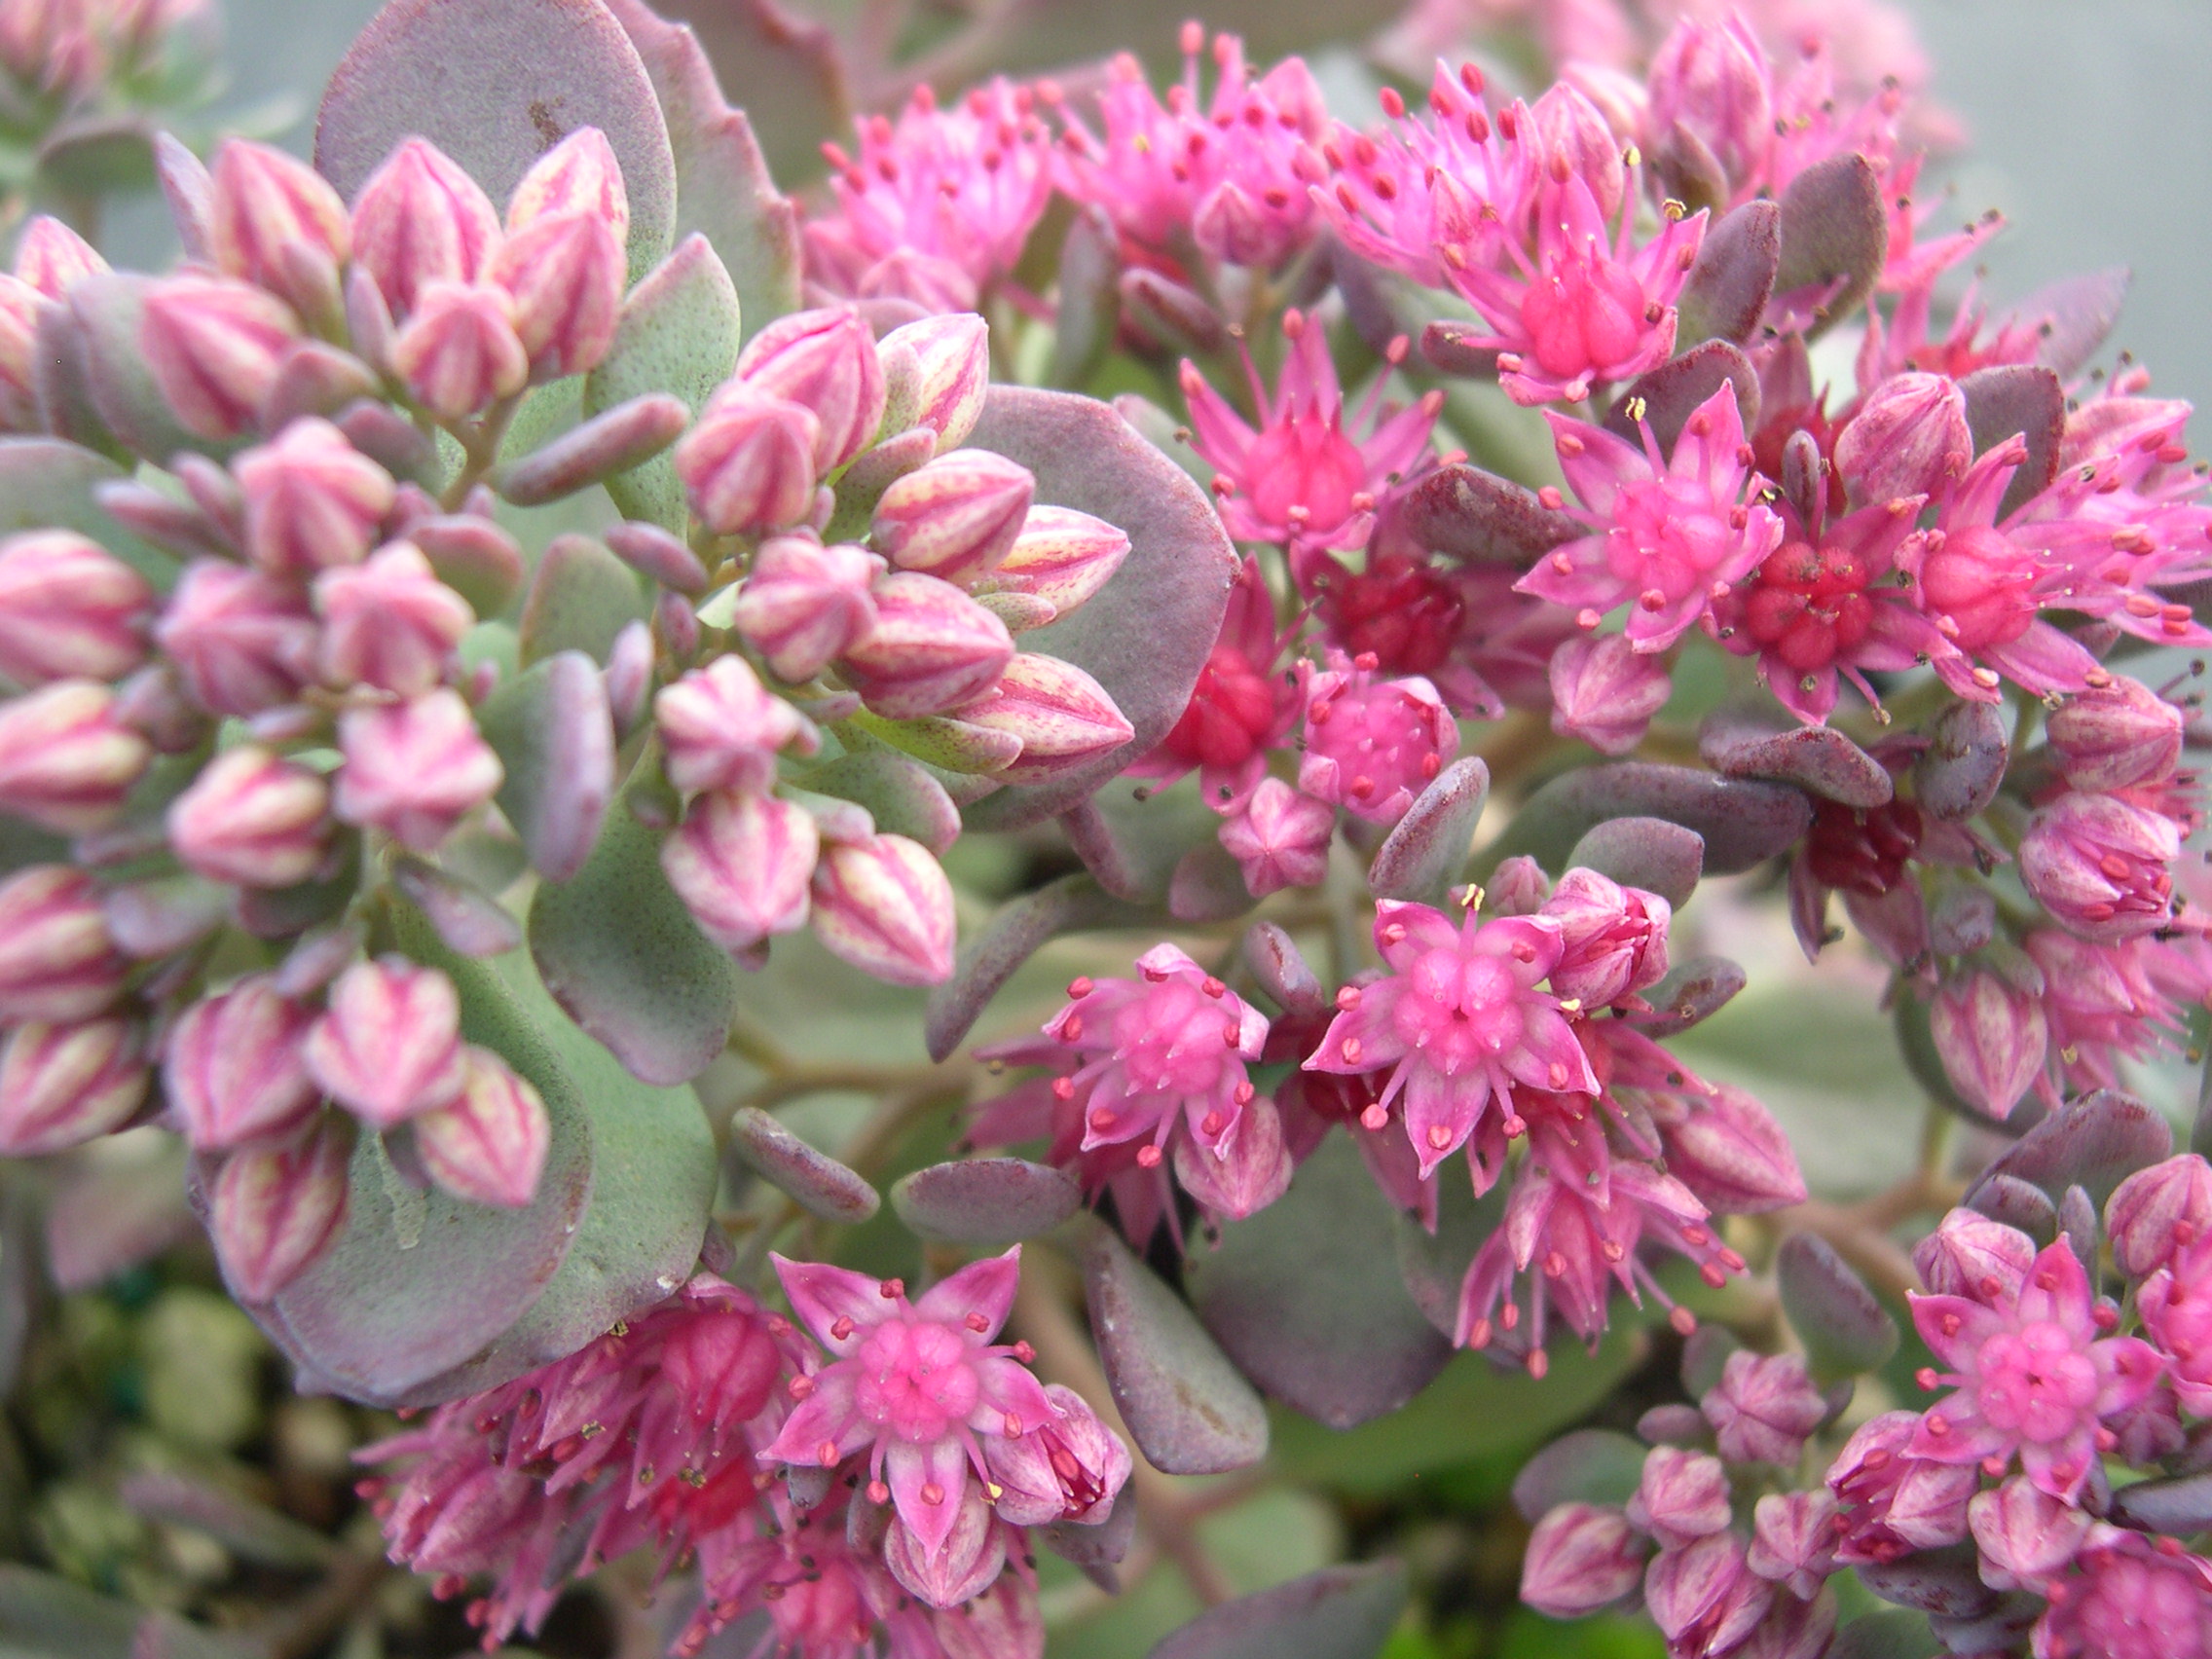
(43, 1614)
(1649, 852)
(61, 383)
(814, 1180)
(554, 734)
(902, 796)
(2180, 1506)
(986, 1200)
(1590, 1466)
(496, 84)
(1433, 1266)
(1692, 991)
(1466, 513)
(1209, 886)
(1132, 839)
(1744, 822)
(2071, 316)
(1150, 630)
(1340, 1613)
(1089, 303)
(2023, 400)
(1945, 1582)
(1281, 969)
(1306, 1297)
(1184, 1405)
(1174, 316)
(110, 311)
(2078, 1221)
(2098, 1140)
(621, 953)
(1097, 1548)
(2014, 1203)
(1009, 940)
(1733, 278)
(1453, 348)
(1835, 235)
(1845, 1331)
(112, 1211)
(1960, 770)
(252, 1531)
(579, 599)
(49, 482)
(1427, 851)
(1738, 743)
(783, 68)
(469, 920)
(1670, 393)
(592, 452)
(1891, 1633)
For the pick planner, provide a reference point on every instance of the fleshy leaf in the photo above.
(1694, 991)
(1132, 839)
(1744, 822)
(818, 1183)
(1834, 235)
(1891, 1633)
(1009, 940)
(2072, 316)
(1281, 969)
(1733, 278)
(2023, 398)
(781, 67)
(1670, 393)
(2015, 1203)
(47, 481)
(1150, 630)
(579, 599)
(110, 311)
(496, 84)
(1590, 1466)
(44, 1616)
(618, 950)
(986, 1200)
(1428, 849)
(1184, 1405)
(1096, 1548)
(2098, 1140)
(1466, 513)
(1340, 1613)
(1845, 1331)
(554, 734)
(902, 796)
(2181, 1505)
(1946, 1584)
(1960, 771)
(1739, 743)
(1306, 1298)
(1209, 886)
(1089, 300)
(1649, 852)
(471, 921)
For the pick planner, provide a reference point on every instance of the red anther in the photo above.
(1080, 987)
(842, 1327)
(891, 1289)
(977, 1323)
(1212, 986)
(1148, 1157)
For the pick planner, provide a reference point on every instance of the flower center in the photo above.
(1170, 1040)
(1808, 606)
(1979, 583)
(1303, 472)
(1863, 852)
(914, 1380)
(1459, 1011)
(1231, 711)
(2035, 1382)
(1405, 614)
(1583, 315)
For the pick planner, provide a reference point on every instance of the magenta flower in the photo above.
(1298, 480)
(2032, 1377)
(2098, 864)
(1372, 744)
(1460, 1022)
(1668, 536)
(2176, 1303)
(2104, 1004)
(1893, 1501)
(2130, 1596)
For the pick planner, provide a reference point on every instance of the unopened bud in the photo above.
(415, 769)
(489, 1145)
(1704, 1587)
(252, 819)
(1684, 1495)
(826, 362)
(740, 863)
(803, 604)
(459, 352)
(721, 729)
(955, 518)
(273, 1209)
(1764, 1408)
(1279, 838)
(932, 649)
(264, 206)
(1711, 80)
(1062, 717)
(1793, 1539)
(390, 623)
(2158, 1213)
(950, 372)
(52, 258)
(242, 641)
(1992, 1037)
(578, 175)
(58, 960)
(69, 609)
(2115, 736)
(1062, 557)
(390, 1045)
(567, 274)
(1727, 1149)
(215, 347)
(885, 906)
(2100, 865)
(2024, 1537)
(748, 466)
(420, 219)
(61, 1085)
(1605, 691)
(1909, 439)
(1973, 1256)
(19, 348)
(629, 677)
(1581, 1557)
(236, 1067)
(313, 500)
(1518, 887)
(66, 759)
(1246, 1171)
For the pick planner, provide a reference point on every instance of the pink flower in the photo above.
(1893, 1501)
(2128, 1598)
(1460, 1020)
(2103, 1005)
(1280, 839)
(1613, 939)
(1372, 744)
(1243, 703)
(2099, 864)
(1668, 536)
(1298, 480)
(2031, 1377)
(1064, 1469)
(1581, 1558)
(2176, 1304)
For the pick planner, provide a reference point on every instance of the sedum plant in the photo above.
(544, 670)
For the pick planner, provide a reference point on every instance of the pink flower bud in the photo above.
(1764, 1408)
(950, 374)
(932, 649)
(885, 906)
(61, 1085)
(489, 1145)
(1605, 691)
(215, 347)
(963, 1564)
(390, 623)
(1614, 938)
(740, 863)
(1711, 80)
(266, 212)
(955, 517)
(1727, 1149)
(803, 604)
(242, 641)
(723, 728)
(1992, 1038)
(1683, 1497)
(313, 500)
(824, 360)
(1972, 1256)
(1279, 838)
(274, 1210)
(2154, 1215)
(69, 609)
(2025, 1536)
(1581, 1558)
(389, 1047)
(58, 960)
(1062, 717)
(1909, 439)
(748, 466)
(18, 346)
(1061, 557)
(253, 820)
(1793, 1540)
(1068, 1469)
(1245, 1171)
(1703, 1598)
(578, 175)
(2116, 737)
(419, 219)
(66, 759)
(1372, 744)
(459, 352)
(415, 769)
(1518, 887)
(236, 1067)
(52, 258)
(567, 273)
(2098, 864)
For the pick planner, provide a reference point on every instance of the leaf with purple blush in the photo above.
(1738, 743)
(627, 435)
(1649, 852)
(1019, 931)
(1433, 1266)
(1427, 851)
(2098, 1140)
(784, 69)
(579, 599)
(2180, 1505)
(1960, 770)
(1744, 822)
(1845, 1329)
(1096, 1548)
(2024, 399)
(61, 383)
(814, 1180)
(1692, 991)
(1209, 886)
(619, 951)
(1590, 1466)
(469, 920)
(1184, 1405)
(1306, 1298)
(1339, 1612)
(986, 1200)
(1670, 393)
(2071, 317)
(1836, 233)
(109, 1214)
(494, 84)
(554, 734)
(1946, 1583)
(1728, 287)
(1132, 837)
(1147, 634)
(2078, 1220)
(1282, 971)
(1453, 349)
(1464, 513)
(49, 482)
(1894, 1633)
(1089, 300)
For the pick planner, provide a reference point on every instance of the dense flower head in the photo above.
(2128, 1597)
(1370, 745)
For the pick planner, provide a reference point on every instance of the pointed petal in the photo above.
(821, 1295)
(984, 1287)
(914, 1473)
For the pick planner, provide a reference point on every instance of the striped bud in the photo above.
(388, 1047)
(1061, 557)
(1062, 717)
(58, 960)
(61, 1085)
(566, 273)
(885, 906)
(748, 466)
(414, 769)
(215, 347)
(390, 623)
(313, 500)
(52, 258)
(252, 819)
(244, 642)
(932, 649)
(236, 1067)
(950, 373)
(273, 1209)
(265, 210)
(578, 175)
(420, 219)
(66, 759)
(802, 603)
(1992, 1037)
(826, 362)
(459, 352)
(955, 518)
(489, 1145)
(69, 609)
(721, 729)
(740, 863)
